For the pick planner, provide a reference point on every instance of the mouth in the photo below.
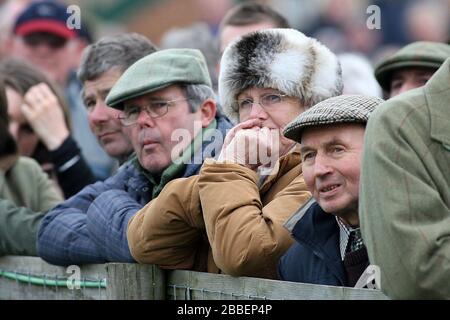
(329, 190)
(106, 135)
(148, 144)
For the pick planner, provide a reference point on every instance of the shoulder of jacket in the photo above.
(25, 166)
(292, 221)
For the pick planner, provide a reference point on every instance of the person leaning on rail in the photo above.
(164, 91)
(230, 217)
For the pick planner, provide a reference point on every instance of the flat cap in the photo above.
(159, 70)
(340, 109)
(424, 54)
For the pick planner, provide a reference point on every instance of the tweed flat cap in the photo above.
(425, 54)
(340, 109)
(159, 70)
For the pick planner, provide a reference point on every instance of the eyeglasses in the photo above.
(266, 101)
(51, 40)
(155, 109)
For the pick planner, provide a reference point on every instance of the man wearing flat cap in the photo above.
(328, 247)
(169, 113)
(405, 191)
(411, 66)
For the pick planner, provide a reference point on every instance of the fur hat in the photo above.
(282, 59)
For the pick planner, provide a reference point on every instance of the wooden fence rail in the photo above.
(32, 278)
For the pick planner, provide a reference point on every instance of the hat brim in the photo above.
(117, 102)
(383, 74)
(45, 25)
(295, 132)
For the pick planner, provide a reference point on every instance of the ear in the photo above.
(208, 112)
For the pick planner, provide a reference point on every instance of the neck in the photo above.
(350, 218)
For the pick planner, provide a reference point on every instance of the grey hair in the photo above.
(197, 94)
(113, 52)
(197, 36)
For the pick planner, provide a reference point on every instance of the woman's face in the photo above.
(25, 138)
(272, 107)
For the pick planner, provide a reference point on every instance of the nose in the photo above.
(321, 166)
(406, 86)
(98, 115)
(14, 129)
(257, 112)
(144, 119)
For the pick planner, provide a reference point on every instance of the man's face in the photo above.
(22, 132)
(409, 78)
(331, 159)
(230, 33)
(53, 54)
(152, 137)
(103, 120)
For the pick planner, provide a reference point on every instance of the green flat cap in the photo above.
(350, 108)
(157, 71)
(417, 54)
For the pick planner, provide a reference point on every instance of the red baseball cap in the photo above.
(44, 16)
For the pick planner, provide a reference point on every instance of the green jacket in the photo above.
(405, 191)
(26, 194)
(23, 182)
(18, 228)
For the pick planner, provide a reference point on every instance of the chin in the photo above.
(329, 207)
(155, 167)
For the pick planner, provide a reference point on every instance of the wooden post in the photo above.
(126, 281)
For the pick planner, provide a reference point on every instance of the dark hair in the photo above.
(7, 144)
(21, 76)
(251, 13)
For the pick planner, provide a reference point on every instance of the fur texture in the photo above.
(282, 59)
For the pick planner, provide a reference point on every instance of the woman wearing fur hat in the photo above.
(231, 219)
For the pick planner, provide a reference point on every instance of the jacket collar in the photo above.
(437, 95)
(144, 181)
(319, 231)
(8, 161)
(212, 141)
(292, 221)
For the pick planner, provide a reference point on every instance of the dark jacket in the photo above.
(91, 226)
(315, 256)
(71, 168)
